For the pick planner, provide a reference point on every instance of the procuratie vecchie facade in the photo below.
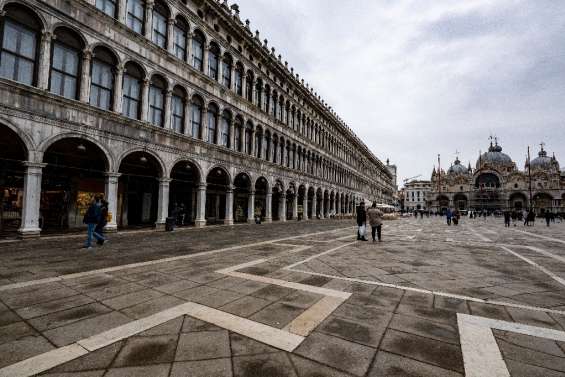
(169, 108)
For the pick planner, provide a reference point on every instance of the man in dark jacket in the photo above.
(91, 219)
(99, 231)
(361, 221)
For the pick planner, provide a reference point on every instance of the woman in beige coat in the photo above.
(375, 218)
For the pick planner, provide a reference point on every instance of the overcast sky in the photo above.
(414, 78)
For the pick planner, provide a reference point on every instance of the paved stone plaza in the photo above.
(294, 299)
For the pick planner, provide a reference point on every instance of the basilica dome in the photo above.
(542, 161)
(457, 168)
(494, 157)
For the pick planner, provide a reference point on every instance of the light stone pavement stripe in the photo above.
(546, 253)
(436, 293)
(44, 361)
(540, 236)
(153, 262)
(482, 237)
(305, 323)
(266, 334)
(541, 268)
(272, 336)
(481, 355)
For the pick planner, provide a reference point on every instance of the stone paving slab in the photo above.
(391, 323)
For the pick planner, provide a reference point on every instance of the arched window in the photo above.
(157, 100)
(238, 79)
(225, 129)
(196, 117)
(238, 137)
(65, 64)
(133, 78)
(267, 98)
(102, 78)
(249, 86)
(274, 105)
(266, 145)
(282, 148)
(212, 123)
(20, 39)
(180, 32)
(178, 100)
(198, 51)
(135, 15)
(159, 32)
(288, 155)
(248, 138)
(258, 143)
(226, 70)
(281, 109)
(275, 149)
(213, 61)
(259, 88)
(107, 6)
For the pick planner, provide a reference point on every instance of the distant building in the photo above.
(497, 184)
(416, 194)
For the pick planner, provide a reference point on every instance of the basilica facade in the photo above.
(164, 107)
(496, 184)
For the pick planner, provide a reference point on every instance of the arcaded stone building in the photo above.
(166, 107)
(496, 184)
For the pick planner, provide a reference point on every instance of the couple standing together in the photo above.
(96, 219)
(375, 218)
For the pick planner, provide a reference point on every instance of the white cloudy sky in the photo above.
(415, 78)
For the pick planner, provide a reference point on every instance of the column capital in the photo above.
(202, 186)
(171, 21)
(113, 175)
(165, 180)
(47, 35)
(169, 93)
(149, 4)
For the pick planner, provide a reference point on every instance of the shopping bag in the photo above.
(362, 230)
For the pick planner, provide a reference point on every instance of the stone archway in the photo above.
(74, 174)
(218, 184)
(261, 190)
(291, 202)
(138, 189)
(12, 172)
(185, 178)
(311, 209)
(278, 201)
(242, 193)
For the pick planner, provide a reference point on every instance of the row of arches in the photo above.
(130, 89)
(541, 202)
(51, 195)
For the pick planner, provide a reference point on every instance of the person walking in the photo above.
(375, 217)
(449, 215)
(91, 219)
(456, 217)
(507, 219)
(101, 240)
(514, 216)
(547, 217)
(361, 221)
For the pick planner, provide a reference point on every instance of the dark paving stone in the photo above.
(277, 315)
(148, 370)
(451, 304)
(53, 306)
(318, 281)
(241, 346)
(271, 365)
(531, 357)
(363, 333)
(23, 348)
(245, 306)
(203, 345)
(147, 350)
(97, 360)
(441, 354)
(533, 318)
(309, 368)
(338, 353)
(68, 316)
(417, 326)
(272, 292)
(548, 346)
(194, 325)
(389, 365)
(358, 313)
(489, 311)
(203, 368)
(172, 327)
(15, 331)
(518, 369)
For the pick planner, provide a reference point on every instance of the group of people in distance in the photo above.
(374, 217)
(528, 217)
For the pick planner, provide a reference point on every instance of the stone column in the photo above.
(305, 204)
(322, 209)
(122, 11)
(84, 95)
(218, 127)
(163, 204)
(44, 60)
(205, 64)
(229, 206)
(170, 35)
(253, 146)
(200, 220)
(144, 100)
(148, 27)
(314, 204)
(189, 47)
(29, 227)
(118, 89)
(295, 207)
(251, 207)
(338, 206)
(167, 115)
(269, 209)
(111, 193)
(187, 126)
(243, 84)
(282, 208)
